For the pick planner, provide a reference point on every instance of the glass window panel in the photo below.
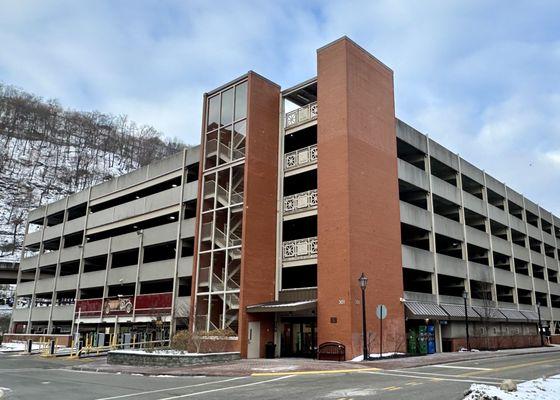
(209, 191)
(241, 101)
(227, 107)
(237, 184)
(223, 188)
(233, 269)
(220, 229)
(224, 153)
(206, 231)
(216, 311)
(204, 272)
(201, 313)
(235, 228)
(218, 271)
(211, 150)
(213, 113)
(232, 312)
(239, 134)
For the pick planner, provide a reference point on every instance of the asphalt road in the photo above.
(25, 377)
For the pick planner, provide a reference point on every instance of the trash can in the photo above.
(269, 350)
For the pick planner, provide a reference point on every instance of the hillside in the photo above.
(47, 152)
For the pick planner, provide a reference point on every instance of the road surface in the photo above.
(31, 377)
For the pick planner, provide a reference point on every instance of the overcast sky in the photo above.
(480, 77)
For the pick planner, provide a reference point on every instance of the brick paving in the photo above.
(287, 365)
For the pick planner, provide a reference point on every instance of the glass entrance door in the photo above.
(299, 338)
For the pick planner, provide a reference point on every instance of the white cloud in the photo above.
(480, 77)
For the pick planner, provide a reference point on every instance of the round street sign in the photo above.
(381, 311)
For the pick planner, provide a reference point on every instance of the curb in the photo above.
(153, 374)
(249, 373)
(484, 356)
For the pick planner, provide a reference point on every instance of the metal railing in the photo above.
(301, 115)
(299, 249)
(301, 157)
(300, 201)
(89, 349)
(211, 189)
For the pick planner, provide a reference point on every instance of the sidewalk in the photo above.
(287, 365)
(441, 358)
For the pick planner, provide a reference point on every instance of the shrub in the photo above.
(210, 342)
(182, 340)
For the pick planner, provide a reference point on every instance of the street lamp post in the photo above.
(540, 323)
(363, 283)
(465, 294)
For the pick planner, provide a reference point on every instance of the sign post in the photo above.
(381, 312)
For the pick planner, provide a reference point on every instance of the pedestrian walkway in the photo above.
(440, 358)
(291, 365)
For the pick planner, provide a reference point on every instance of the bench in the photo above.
(332, 351)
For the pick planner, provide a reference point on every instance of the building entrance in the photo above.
(298, 337)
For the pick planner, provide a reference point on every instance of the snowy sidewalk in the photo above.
(441, 358)
(234, 368)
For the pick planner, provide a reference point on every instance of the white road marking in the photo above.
(228, 388)
(446, 375)
(458, 367)
(8, 370)
(172, 388)
(432, 378)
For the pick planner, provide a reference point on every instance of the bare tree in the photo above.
(483, 291)
(47, 152)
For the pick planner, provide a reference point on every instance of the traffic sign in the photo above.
(381, 311)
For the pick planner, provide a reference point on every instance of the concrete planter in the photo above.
(161, 359)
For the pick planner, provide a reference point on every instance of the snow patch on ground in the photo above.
(537, 389)
(277, 369)
(376, 355)
(17, 346)
(351, 393)
(5, 309)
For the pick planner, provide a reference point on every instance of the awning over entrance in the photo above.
(490, 313)
(513, 315)
(421, 310)
(282, 306)
(456, 311)
(531, 316)
(418, 310)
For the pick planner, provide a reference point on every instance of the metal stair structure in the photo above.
(225, 152)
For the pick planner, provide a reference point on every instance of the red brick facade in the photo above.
(358, 217)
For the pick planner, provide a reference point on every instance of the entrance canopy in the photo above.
(422, 310)
(417, 310)
(282, 306)
(514, 315)
(531, 316)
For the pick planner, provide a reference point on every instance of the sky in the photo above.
(480, 77)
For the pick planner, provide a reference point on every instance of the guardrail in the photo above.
(301, 115)
(299, 158)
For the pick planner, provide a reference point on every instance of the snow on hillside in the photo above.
(48, 152)
(35, 172)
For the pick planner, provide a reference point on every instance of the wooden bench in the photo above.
(332, 351)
